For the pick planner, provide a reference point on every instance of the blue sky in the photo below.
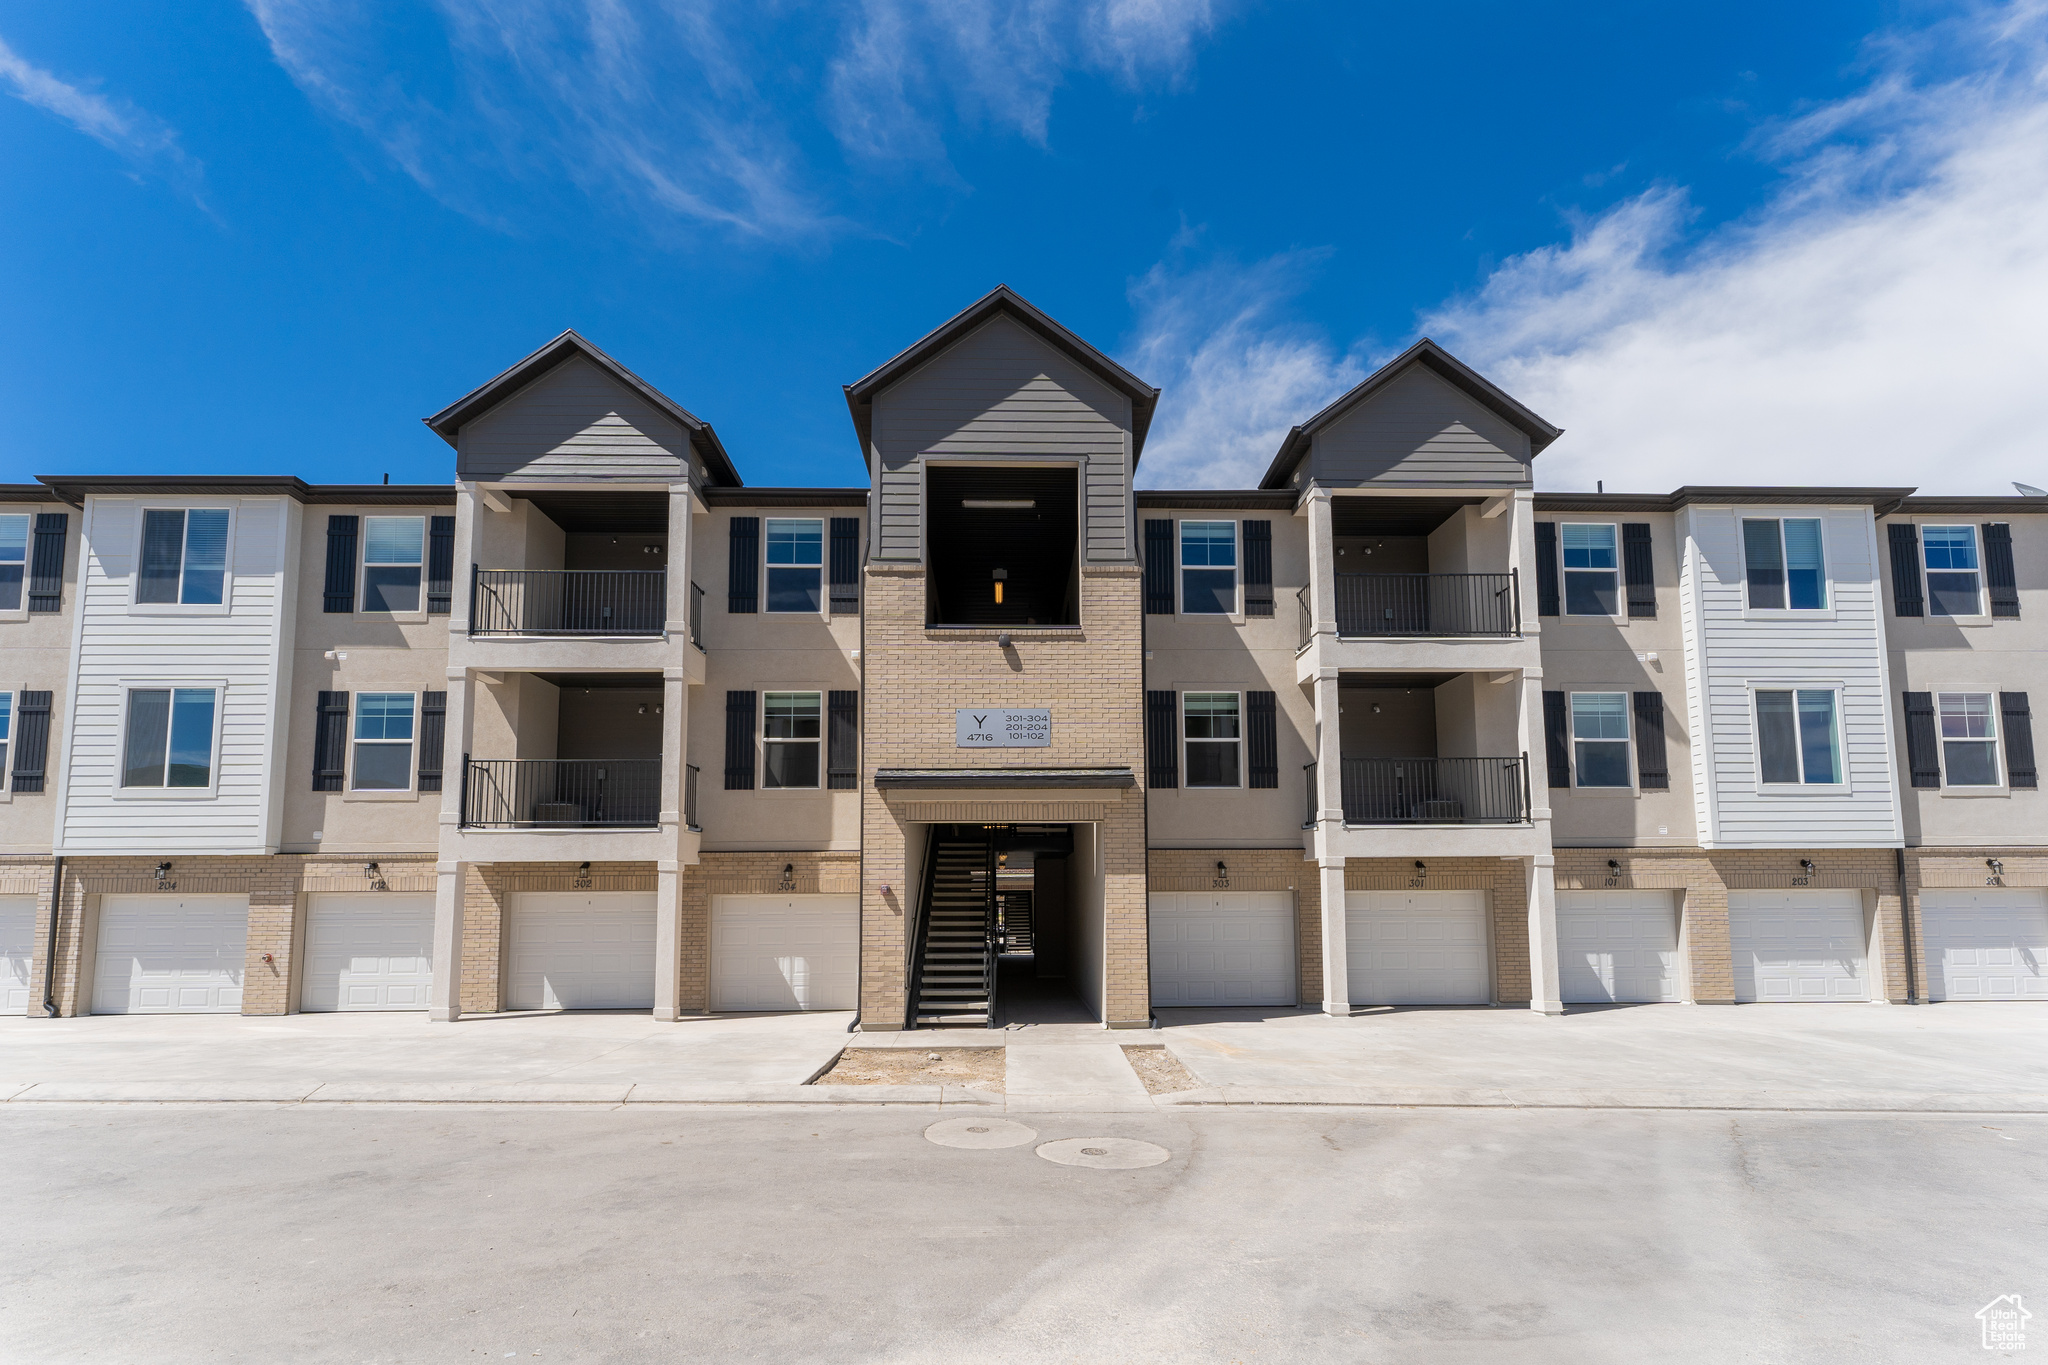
(1748, 241)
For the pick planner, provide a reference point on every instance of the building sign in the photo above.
(989, 728)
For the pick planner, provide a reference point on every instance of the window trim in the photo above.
(824, 525)
(762, 740)
(363, 567)
(137, 607)
(1243, 753)
(12, 692)
(1756, 741)
(1781, 516)
(28, 557)
(2003, 786)
(128, 687)
(1564, 583)
(1180, 566)
(1628, 744)
(1980, 617)
(349, 790)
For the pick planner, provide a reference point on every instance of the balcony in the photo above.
(1386, 605)
(1435, 791)
(568, 602)
(554, 793)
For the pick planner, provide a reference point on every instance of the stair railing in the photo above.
(922, 912)
(992, 930)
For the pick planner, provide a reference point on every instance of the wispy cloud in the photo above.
(148, 144)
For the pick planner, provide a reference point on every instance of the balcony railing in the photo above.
(561, 793)
(1371, 604)
(568, 601)
(1435, 791)
(696, 616)
(690, 798)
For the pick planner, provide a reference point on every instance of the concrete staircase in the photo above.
(956, 970)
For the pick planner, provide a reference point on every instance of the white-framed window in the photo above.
(1969, 738)
(382, 742)
(792, 735)
(184, 557)
(394, 559)
(1592, 568)
(6, 734)
(1208, 568)
(1799, 737)
(795, 550)
(170, 738)
(13, 562)
(1600, 737)
(1784, 566)
(1212, 731)
(1955, 575)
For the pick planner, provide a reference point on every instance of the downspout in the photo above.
(50, 953)
(1906, 927)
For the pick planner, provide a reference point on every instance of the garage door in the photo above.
(17, 952)
(1988, 943)
(1617, 947)
(1791, 946)
(1223, 948)
(581, 950)
(1417, 947)
(368, 951)
(785, 952)
(170, 955)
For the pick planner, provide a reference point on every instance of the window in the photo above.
(1591, 570)
(393, 551)
(383, 741)
(1783, 564)
(1600, 738)
(790, 737)
(1797, 739)
(1209, 721)
(796, 559)
(184, 557)
(1969, 738)
(170, 737)
(1954, 579)
(13, 560)
(1208, 569)
(6, 728)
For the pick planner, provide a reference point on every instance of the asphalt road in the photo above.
(227, 1233)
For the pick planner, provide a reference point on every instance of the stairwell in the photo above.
(956, 969)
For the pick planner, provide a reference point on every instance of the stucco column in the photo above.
(677, 562)
(444, 1000)
(675, 701)
(1322, 563)
(1336, 957)
(668, 900)
(1545, 994)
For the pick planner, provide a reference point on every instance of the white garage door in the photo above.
(1417, 947)
(17, 953)
(581, 950)
(1790, 946)
(1987, 943)
(167, 954)
(1617, 947)
(1223, 948)
(785, 952)
(368, 951)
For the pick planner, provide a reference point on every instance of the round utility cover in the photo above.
(1104, 1154)
(979, 1133)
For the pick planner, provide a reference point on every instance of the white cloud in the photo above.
(143, 140)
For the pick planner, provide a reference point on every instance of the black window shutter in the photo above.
(1653, 768)
(1923, 756)
(440, 566)
(1636, 567)
(1162, 743)
(433, 738)
(739, 740)
(1546, 568)
(743, 581)
(1258, 570)
(46, 569)
(32, 740)
(845, 565)
(2019, 740)
(341, 565)
(1998, 570)
(1907, 599)
(1262, 733)
(842, 741)
(330, 740)
(1557, 744)
(1159, 569)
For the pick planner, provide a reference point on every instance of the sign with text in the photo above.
(990, 728)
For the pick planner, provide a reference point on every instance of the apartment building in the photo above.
(596, 725)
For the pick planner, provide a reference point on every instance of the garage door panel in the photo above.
(581, 951)
(1803, 946)
(368, 951)
(785, 953)
(1223, 948)
(1417, 948)
(17, 953)
(1618, 947)
(1986, 943)
(167, 954)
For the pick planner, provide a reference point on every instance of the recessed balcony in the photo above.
(568, 602)
(1432, 791)
(561, 793)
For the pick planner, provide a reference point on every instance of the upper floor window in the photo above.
(394, 549)
(13, 560)
(1783, 563)
(796, 562)
(1798, 739)
(383, 742)
(1214, 739)
(1954, 575)
(1600, 738)
(791, 734)
(1969, 738)
(1208, 568)
(1592, 569)
(169, 739)
(6, 727)
(184, 556)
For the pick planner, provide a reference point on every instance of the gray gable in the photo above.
(573, 422)
(1420, 430)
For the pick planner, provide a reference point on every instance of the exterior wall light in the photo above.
(1419, 866)
(163, 870)
(1806, 866)
(1614, 865)
(1996, 865)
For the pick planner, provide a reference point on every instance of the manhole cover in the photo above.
(1105, 1154)
(979, 1133)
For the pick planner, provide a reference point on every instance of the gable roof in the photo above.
(449, 421)
(860, 394)
(1438, 362)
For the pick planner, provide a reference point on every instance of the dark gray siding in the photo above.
(1000, 393)
(1419, 430)
(574, 422)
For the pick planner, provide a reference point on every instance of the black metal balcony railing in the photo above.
(1308, 818)
(1435, 791)
(561, 793)
(696, 616)
(568, 601)
(1428, 604)
(690, 797)
(1308, 618)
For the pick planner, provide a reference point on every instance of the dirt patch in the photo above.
(977, 1068)
(1160, 1070)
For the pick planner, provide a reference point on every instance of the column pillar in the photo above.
(444, 1000)
(1546, 996)
(1322, 562)
(668, 893)
(1336, 957)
